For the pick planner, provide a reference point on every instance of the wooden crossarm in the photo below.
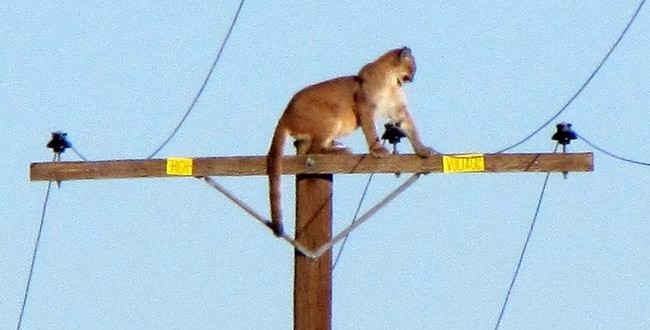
(310, 164)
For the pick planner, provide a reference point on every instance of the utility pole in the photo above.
(314, 175)
(312, 293)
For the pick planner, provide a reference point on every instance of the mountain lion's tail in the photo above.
(274, 171)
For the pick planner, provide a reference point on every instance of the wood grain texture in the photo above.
(306, 164)
(312, 295)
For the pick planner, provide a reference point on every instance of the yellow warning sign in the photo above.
(179, 166)
(463, 163)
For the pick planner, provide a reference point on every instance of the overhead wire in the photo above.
(627, 160)
(364, 194)
(78, 153)
(205, 82)
(584, 85)
(354, 219)
(524, 248)
(34, 254)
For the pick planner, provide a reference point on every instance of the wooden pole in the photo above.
(312, 294)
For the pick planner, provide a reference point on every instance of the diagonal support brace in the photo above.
(327, 246)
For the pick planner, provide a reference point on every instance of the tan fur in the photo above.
(319, 114)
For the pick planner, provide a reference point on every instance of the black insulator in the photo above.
(59, 143)
(564, 134)
(393, 133)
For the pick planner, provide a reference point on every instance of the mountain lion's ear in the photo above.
(404, 52)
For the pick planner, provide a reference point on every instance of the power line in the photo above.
(628, 160)
(393, 136)
(584, 85)
(523, 252)
(205, 82)
(59, 144)
(36, 245)
(78, 153)
(524, 248)
(354, 219)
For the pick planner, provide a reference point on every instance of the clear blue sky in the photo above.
(173, 254)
